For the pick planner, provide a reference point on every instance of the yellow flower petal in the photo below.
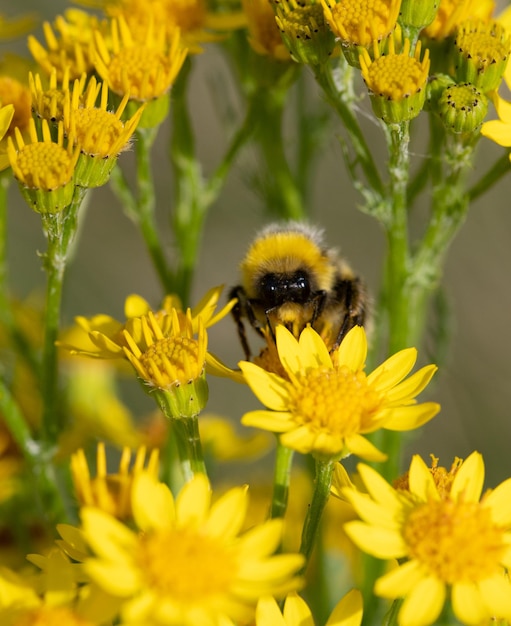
(107, 537)
(273, 421)
(378, 488)
(296, 611)
(348, 611)
(227, 515)
(364, 449)
(268, 613)
(469, 480)
(113, 577)
(353, 349)
(499, 501)
(399, 581)
(497, 131)
(315, 350)
(380, 542)
(192, 503)
(136, 306)
(421, 480)
(368, 509)
(269, 388)
(152, 503)
(410, 417)
(413, 385)
(262, 540)
(496, 592)
(393, 370)
(467, 603)
(423, 604)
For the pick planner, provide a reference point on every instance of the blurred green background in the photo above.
(110, 262)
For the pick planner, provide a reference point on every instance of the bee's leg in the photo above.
(238, 312)
(352, 293)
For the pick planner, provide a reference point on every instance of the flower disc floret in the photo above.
(327, 403)
(396, 82)
(360, 22)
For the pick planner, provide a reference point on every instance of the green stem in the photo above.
(59, 229)
(186, 431)
(283, 463)
(499, 169)
(145, 212)
(323, 482)
(344, 109)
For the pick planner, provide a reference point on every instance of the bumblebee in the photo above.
(290, 277)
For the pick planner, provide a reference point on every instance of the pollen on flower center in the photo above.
(179, 576)
(50, 616)
(338, 400)
(173, 360)
(456, 541)
(44, 165)
(395, 76)
(140, 71)
(360, 22)
(97, 130)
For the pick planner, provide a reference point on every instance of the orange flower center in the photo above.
(456, 541)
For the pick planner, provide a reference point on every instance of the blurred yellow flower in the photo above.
(214, 575)
(13, 27)
(329, 403)
(263, 33)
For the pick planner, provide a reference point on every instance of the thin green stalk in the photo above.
(186, 431)
(146, 204)
(323, 482)
(499, 169)
(60, 229)
(358, 143)
(282, 475)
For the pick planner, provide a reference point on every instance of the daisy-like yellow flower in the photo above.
(110, 492)
(48, 101)
(186, 562)
(44, 168)
(348, 612)
(481, 52)
(396, 82)
(456, 540)
(146, 70)
(100, 133)
(357, 23)
(329, 403)
(263, 33)
(499, 130)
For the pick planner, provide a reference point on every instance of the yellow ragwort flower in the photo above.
(442, 477)
(451, 13)
(457, 540)
(305, 31)
(48, 102)
(396, 82)
(348, 611)
(44, 168)
(100, 133)
(481, 52)
(110, 492)
(187, 562)
(69, 45)
(145, 70)
(360, 22)
(329, 403)
(499, 130)
(263, 33)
